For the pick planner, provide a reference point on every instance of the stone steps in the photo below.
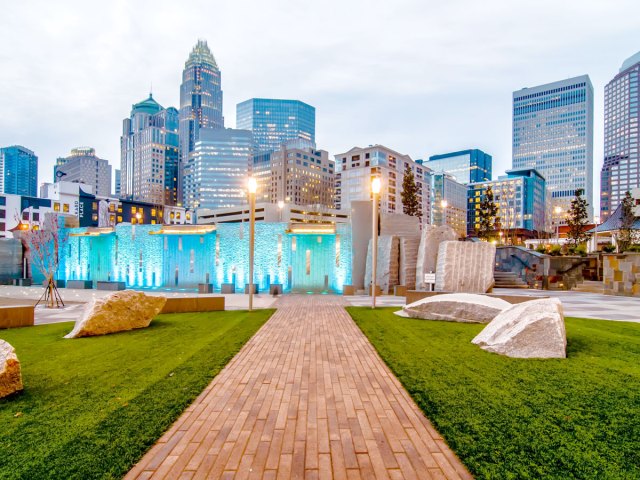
(589, 286)
(508, 280)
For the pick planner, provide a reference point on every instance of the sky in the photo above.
(422, 77)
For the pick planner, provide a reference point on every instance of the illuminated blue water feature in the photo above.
(147, 256)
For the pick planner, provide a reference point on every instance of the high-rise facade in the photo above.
(467, 166)
(449, 202)
(200, 101)
(216, 174)
(149, 149)
(356, 168)
(297, 173)
(553, 133)
(274, 122)
(116, 186)
(18, 171)
(521, 198)
(621, 169)
(84, 166)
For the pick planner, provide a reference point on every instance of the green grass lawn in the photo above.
(92, 406)
(515, 418)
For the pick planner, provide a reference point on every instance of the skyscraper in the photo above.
(200, 101)
(274, 122)
(149, 153)
(18, 171)
(553, 133)
(84, 166)
(216, 174)
(621, 168)
(467, 166)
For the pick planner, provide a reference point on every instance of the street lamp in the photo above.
(444, 204)
(252, 187)
(375, 191)
(557, 210)
(280, 207)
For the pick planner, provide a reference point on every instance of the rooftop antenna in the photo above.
(151, 89)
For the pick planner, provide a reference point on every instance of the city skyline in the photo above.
(436, 89)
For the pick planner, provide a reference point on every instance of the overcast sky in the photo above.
(421, 77)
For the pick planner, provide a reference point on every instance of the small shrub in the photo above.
(581, 250)
(609, 248)
(555, 250)
(541, 248)
(634, 248)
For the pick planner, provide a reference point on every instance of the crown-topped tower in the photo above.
(200, 101)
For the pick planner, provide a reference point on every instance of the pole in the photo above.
(374, 250)
(252, 228)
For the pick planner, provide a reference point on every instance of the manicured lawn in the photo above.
(513, 418)
(92, 406)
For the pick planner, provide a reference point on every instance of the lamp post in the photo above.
(557, 210)
(444, 204)
(375, 190)
(252, 187)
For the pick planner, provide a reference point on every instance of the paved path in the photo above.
(307, 397)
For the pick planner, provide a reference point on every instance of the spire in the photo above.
(201, 55)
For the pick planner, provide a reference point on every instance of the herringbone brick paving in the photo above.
(306, 397)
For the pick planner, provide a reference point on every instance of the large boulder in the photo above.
(387, 266)
(117, 312)
(456, 307)
(10, 376)
(533, 329)
(430, 241)
(465, 267)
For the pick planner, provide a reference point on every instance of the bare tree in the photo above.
(44, 243)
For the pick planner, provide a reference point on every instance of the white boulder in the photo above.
(10, 376)
(117, 312)
(456, 307)
(533, 329)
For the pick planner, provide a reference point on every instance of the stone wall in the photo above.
(465, 267)
(622, 274)
(408, 260)
(387, 267)
(430, 241)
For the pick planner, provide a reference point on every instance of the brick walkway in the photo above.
(307, 397)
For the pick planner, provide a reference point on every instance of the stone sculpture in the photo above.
(10, 376)
(430, 241)
(533, 329)
(118, 312)
(465, 267)
(387, 269)
(456, 307)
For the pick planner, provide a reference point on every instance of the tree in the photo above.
(409, 195)
(578, 219)
(44, 243)
(488, 211)
(626, 233)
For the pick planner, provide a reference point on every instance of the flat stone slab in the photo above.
(10, 375)
(456, 307)
(532, 329)
(117, 312)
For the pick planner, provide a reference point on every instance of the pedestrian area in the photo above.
(307, 397)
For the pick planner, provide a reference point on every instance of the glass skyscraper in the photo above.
(215, 175)
(274, 122)
(621, 168)
(18, 171)
(553, 133)
(200, 101)
(467, 166)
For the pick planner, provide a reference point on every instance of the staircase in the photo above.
(508, 280)
(589, 286)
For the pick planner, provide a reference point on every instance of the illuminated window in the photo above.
(65, 208)
(56, 207)
(133, 209)
(119, 218)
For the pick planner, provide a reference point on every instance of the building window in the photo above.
(65, 208)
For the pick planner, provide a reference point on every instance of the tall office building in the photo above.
(553, 133)
(18, 171)
(356, 168)
(274, 122)
(449, 202)
(466, 166)
(521, 198)
(296, 173)
(116, 187)
(84, 166)
(200, 101)
(149, 149)
(216, 174)
(621, 168)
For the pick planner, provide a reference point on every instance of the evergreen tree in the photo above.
(626, 232)
(409, 195)
(578, 220)
(488, 212)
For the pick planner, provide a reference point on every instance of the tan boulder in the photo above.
(10, 376)
(118, 312)
(456, 307)
(533, 329)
